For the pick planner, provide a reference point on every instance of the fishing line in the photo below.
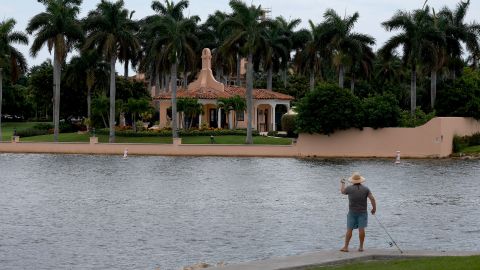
(385, 229)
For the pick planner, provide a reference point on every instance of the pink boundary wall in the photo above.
(432, 140)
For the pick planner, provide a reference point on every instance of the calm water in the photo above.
(103, 212)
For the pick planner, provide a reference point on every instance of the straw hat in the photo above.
(356, 178)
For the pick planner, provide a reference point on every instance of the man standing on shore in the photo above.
(357, 217)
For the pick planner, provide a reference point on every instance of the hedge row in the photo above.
(181, 133)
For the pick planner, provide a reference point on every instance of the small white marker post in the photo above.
(397, 160)
(125, 153)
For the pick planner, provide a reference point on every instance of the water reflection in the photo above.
(103, 212)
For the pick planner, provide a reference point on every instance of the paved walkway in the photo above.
(322, 258)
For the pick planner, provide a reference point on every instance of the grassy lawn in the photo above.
(236, 140)
(74, 137)
(442, 263)
(7, 128)
(471, 150)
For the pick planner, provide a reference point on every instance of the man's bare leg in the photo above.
(361, 235)
(348, 236)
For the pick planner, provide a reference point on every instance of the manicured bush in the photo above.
(43, 126)
(182, 133)
(381, 111)
(329, 108)
(30, 132)
(289, 124)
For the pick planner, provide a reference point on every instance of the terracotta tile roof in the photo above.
(230, 91)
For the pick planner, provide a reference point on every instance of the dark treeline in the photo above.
(430, 49)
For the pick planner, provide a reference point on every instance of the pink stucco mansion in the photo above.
(268, 105)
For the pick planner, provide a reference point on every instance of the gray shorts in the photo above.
(357, 220)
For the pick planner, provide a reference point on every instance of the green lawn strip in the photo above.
(231, 139)
(441, 263)
(75, 137)
(471, 150)
(7, 128)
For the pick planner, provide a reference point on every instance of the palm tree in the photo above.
(457, 31)
(276, 51)
(344, 43)
(417, 32)
(361, 64)
(309, 59)
(248, 25)
(174, 36)
(434, 56)
(88, 68)
(212, 36)
(59, 28)
(296, 39)
(109, 29)
(10, 58)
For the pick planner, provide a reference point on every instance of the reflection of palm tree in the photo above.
(59, 28)
(10, 57)
(110, 28)
(248, 27)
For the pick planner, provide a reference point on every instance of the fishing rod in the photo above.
(385, 229)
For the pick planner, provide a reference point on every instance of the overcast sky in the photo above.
(372, 12)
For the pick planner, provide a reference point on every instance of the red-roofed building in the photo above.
(268, 105)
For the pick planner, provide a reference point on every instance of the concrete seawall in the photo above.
(152, 149)
(432, 140)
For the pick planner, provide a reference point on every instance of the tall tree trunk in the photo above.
(89, 105)
(104, 122)
(341, 75)
(167, 83)
(134, 124)
(413, 92)
(270, 78)
(249, 96)
(433, 88)
(174, 100)
(125, 71)
(312, 80)
(352, 84)
(111, 138)
(157, 83)
(239, 60)
(57, 73)
(185, 79)
(1, 100)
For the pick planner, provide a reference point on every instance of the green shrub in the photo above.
(420, 118)
(381, 111)
(460, 97)
(459, 143)
(43, 126)
(30, 132)
(289, 124)
(182, 133)
(329, 108)
(474, 139)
